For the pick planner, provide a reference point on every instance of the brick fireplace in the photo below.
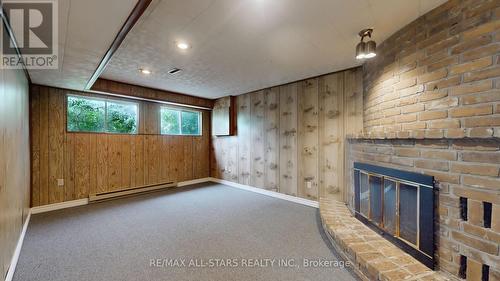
(399, 205)
(432, 107)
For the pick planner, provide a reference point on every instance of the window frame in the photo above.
(180, 110)
(118, 101)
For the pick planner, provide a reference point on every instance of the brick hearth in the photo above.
(372, 255)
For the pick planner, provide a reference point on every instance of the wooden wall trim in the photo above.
(134, 16)
(106, 86)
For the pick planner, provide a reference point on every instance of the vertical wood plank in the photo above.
(331, 133)
(102, 163)
(125, 141)
(187, 158)
(308, 139)
(56, 149)
(82, 166)
(288, 139)
(271, 126)
(244, 138)
(69, 168)
(44, 146)
(257, 106)
(93, 164)
(35, 145)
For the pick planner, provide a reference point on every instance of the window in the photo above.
(99, 115)
(180, 122)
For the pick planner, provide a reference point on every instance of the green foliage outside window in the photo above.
(121, 118)
(190, 123)
(170, 120)
(180, 122)
(85, 115)
(95, 115)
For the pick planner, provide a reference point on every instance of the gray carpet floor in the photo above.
(118, 239)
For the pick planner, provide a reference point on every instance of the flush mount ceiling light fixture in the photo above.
(366, 50)
(182, 45)
(144, 71)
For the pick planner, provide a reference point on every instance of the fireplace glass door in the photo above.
(390, 206)
(399, 205)
(364, 193)
(408, 212)
(376, 199)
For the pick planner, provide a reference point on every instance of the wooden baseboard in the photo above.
(58, 206)
(120, 193)
(17, 251)
(274, 194)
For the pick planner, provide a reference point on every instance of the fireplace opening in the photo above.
(399, 205)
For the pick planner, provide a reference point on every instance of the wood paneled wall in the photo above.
(291, 138)
(93, 163)
(14, 162)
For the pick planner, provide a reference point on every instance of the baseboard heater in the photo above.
(130, 191)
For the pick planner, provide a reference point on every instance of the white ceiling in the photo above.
(243, 45)
(237, 45)
(86, 30)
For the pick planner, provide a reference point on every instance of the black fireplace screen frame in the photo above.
(423, 249)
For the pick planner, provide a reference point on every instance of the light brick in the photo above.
(481, 157)
(495, 218)
(480, 170)
(475, 243)
(482, 29)
(487, 50)
(475, 212)
(443, 63)
(406, 83)
(455, 133)
(432, 115)
(471, 66)
(482, 74)
(445, 83)
(481, 182)
(442, 103)
(434, 134)
(445, 124)
(471, 111)
(481, 132)
(433, 76)
(481, 232)
(432, 95)
(474, 270)
(413, 108)
(406, 118)
(480, 195)
(439, 154)
(471, 44)
(476, 87)
(414, 126)
(481, 98)
(432, 165)
(392, 112)
(484, 121)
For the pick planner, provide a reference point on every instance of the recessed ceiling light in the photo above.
(183, 45)
(145, 71)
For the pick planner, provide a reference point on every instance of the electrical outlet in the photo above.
(60, 182)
